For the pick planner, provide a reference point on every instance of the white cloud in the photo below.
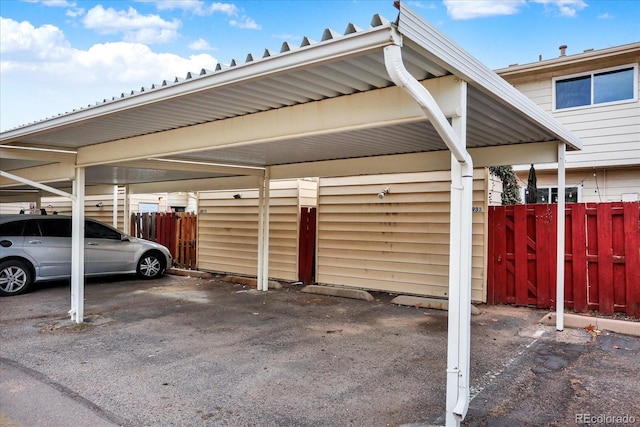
(606, 15)
(135, 27)
(53, 3)
(246, 23)
(471, 9)
(74, 12)
(227, 8)
(567, 8)
(200, 44)
(197, 7)
(40, 60)
(21, 40)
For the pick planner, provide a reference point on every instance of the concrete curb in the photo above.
(433, 303)
(250, 281)
(189, 273)
(338, 292)
(582, 322)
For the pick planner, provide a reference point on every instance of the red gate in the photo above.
(176, 231)
(307, 245)
(602, 256)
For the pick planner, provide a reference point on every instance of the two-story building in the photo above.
(595, 95)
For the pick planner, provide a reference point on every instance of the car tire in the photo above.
(151, 265)
(15, 277)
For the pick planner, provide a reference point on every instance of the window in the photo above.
(58, 227)
(93, 230)
(600, 87)
(12, 228)
(550, 194)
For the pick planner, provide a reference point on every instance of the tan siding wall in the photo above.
(308, 192)
(104, 213)
(13, 208)
(396, 244)
(228, 231)
(598, 185)
(610, 133)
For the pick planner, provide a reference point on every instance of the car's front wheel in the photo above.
(15, 277)
(150, 266)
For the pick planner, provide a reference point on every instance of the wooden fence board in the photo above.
(605, 259)
(579, 256)
(632, 258)
(601, 260)
(176, 231)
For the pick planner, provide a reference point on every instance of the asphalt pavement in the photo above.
(183, 351)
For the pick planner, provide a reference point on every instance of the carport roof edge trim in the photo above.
(378, 36)
(443, 50)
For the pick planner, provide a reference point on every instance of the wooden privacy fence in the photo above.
(176, 231)
(601, 262)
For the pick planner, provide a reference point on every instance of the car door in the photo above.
(105, 251)
(48, 241)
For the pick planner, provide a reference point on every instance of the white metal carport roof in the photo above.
(398, 97)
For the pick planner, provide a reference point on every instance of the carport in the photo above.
(398, 97)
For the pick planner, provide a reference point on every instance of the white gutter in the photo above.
(459, 329)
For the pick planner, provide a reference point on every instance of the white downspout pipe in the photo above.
(459, 328)
(560, 241)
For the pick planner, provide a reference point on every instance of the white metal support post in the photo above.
(115, 206)
(562, 147)
(460, 253)
(263, 231)
(125, 211)
(77, 248)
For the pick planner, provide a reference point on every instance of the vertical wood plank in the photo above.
(579, 257)
(492, 260)
(521, 256)
(552, 260)
(543, 274)
(632, 257)
(605, 259)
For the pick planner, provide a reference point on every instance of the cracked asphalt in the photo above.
(182, 351)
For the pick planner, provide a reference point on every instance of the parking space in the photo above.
(187, 351)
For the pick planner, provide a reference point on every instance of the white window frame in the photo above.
(592, 75)
(548, 188)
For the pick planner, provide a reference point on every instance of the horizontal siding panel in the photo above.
(399, 243)
(228, 231)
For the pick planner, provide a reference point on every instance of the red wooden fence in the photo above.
(176, 231)
(602, 256)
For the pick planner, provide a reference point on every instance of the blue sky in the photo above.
(57, 55)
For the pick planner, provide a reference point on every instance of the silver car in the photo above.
(36, 248)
